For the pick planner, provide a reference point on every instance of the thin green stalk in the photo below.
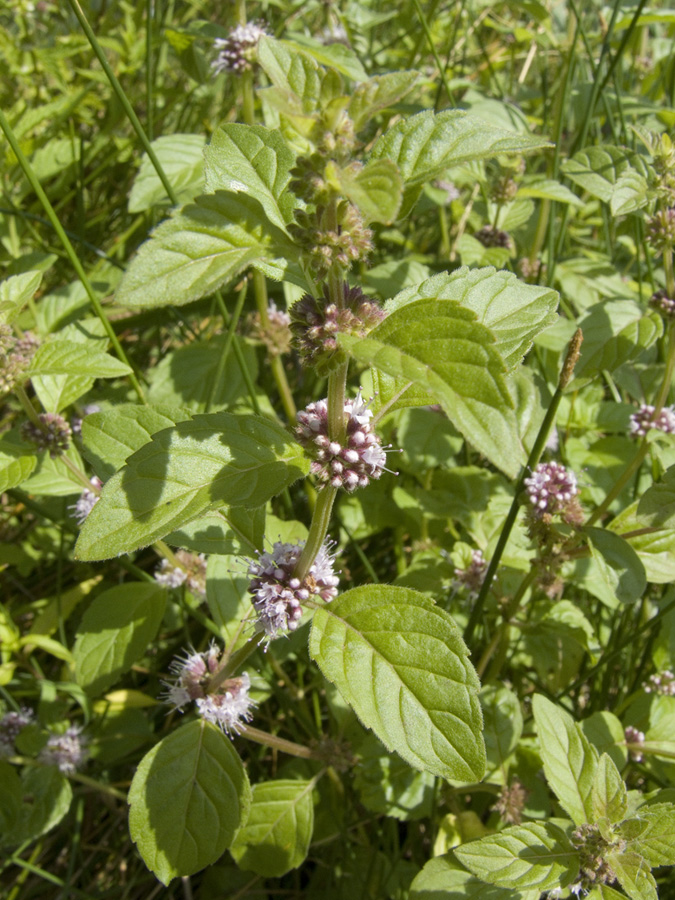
(241, 298)
(434, 52)
(277, 366)
(277, 743)
(245, 374)
(149, 74)
(533, 459)
(68, 247)
(122, 97)
(317, 530)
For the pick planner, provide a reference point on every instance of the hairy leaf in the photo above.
(199, 249)
(442, 878)
(276, 836)
(633, 874)
(292, 72)
(608, 794)
(15, 292)
(379, 93)
(182, 159)
(115, 632)
(425, 145)
(16, 464)
(59, 357)
(525, 856)
(656, 842)
(375, 189)
(439, 347)
(599, 169)
(570, 761)
(188, 797)
(209, 462)
(400, 663)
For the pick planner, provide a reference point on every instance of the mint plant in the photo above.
(337, 489)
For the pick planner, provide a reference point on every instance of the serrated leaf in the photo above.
(631, 193)
(15, 292)
(442, 878)
(115, 632)
(618, 564)
(199, 249)
(514, 312)
(111, 436)
(253, 160)
(379, 93)
(614, 334)
(524, 856)
(608, 795)
(439, 347)
(425, 145)
(656, 843)
(278, 831)
(188, 797)
(598, 169)
(400, 663)
(656, 507)
(206, 463)
(334, 55)
(182, 159)
(292, 72)
(570, 761)
(59, 357)
(633, 874)
(16, 465)
(376, 189)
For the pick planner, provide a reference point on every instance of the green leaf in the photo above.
(631, 193)
(182, 159)
(336, 56)
(188, 797)
(656, 843)
(656, 507)
(237, 530)
(614, 333)
(376, 189)
(10, 788)
(425, 145)
(111, 436)
(599, 169)
(570, 761)
(514, 312)
(618, 564)
(15, 292)
(252, 160)
(608, 795)
(400, 663)
(656, 550)
(16, 465)
(547, 189)
(633, 875)
(199, 249)
(292, 72)
(442, 878)
(227, 597)
(386, 784)
(46, 797)
(58, 357)
(503, 724)
(207, 463)
(524, 856)
(115, 632)
(277, 833)
(379, 93)
(439, 347)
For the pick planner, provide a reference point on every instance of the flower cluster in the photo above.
(661, 683)
(349, 465)
(191, 572)
(237, 52)
(325, 247)
(489, 236)
(473, 575)
(68, 751)
(278, 594)
(53, 435)
(317, 323)
(593, 866)
(276, 334)
(86, 501)
(11, 725)
(634, 739)
(531, 270)
(643, 420)
(15, 357)
(663, 303)
(660, 229)
(228, 706)
(551, 489)
(511, 802)
(504, 189)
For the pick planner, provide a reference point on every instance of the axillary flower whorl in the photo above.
(347, 465)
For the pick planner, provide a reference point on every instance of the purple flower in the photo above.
(229, 708)
(68, 751)
(349, 465)
(86, 501)
(661, 683)
(635, 738)
(473, 575)
(53, 435)
(191, 571)
(550, 488)
(11, 725)
(236, 52)
(278, 594)
(643, 420)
